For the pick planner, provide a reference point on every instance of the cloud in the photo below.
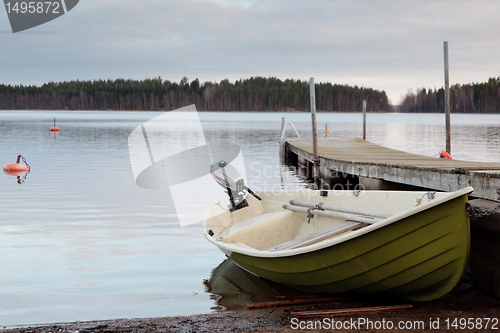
(386, 45)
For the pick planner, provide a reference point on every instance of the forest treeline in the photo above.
(466, 98)
(253, 94)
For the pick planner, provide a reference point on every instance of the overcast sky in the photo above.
(386, 45)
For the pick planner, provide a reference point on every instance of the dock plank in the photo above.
(363, 158)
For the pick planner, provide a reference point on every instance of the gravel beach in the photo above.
(481, 312)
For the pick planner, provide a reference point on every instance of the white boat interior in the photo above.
(265, 227)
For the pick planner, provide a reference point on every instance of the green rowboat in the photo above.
(414, 245)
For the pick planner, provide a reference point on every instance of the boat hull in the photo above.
(420, 257)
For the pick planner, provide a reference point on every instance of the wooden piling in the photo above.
(364, 119)
(314, 132)
(447, 98)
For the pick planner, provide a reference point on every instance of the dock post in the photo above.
(282, 141)
(315, 134)
(364, 119)
(447, 98)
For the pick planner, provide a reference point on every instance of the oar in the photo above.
(322, 206)
(327, 213)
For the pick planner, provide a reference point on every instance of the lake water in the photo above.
(79, 240)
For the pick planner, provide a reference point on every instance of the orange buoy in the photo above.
(444, 154)
(326, 131)
(54, 129)
(16, 167)
(15, 173)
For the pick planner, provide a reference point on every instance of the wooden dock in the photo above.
(376, 166)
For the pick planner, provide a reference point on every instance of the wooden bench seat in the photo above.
(319, 235)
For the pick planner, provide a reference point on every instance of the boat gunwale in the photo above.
(230, 248)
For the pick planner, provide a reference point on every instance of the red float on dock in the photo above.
(444, 154)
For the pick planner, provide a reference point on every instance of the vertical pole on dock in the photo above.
(282, 145)
(364, 119)
(314, 131)
(447, 98)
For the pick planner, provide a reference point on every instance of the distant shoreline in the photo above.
(255, 93)
(224, 111)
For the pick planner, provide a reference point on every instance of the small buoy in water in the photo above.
(17, 167)
(326, 131)
(54, 129)
(15, 173)
(444, 154)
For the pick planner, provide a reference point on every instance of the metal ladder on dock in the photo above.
(284, 140)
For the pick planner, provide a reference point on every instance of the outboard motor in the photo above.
(230, 179)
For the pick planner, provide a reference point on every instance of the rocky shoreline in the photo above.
(459, 304)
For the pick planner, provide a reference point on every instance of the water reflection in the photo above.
(81, 241)
(20, 175)
(232, 287)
